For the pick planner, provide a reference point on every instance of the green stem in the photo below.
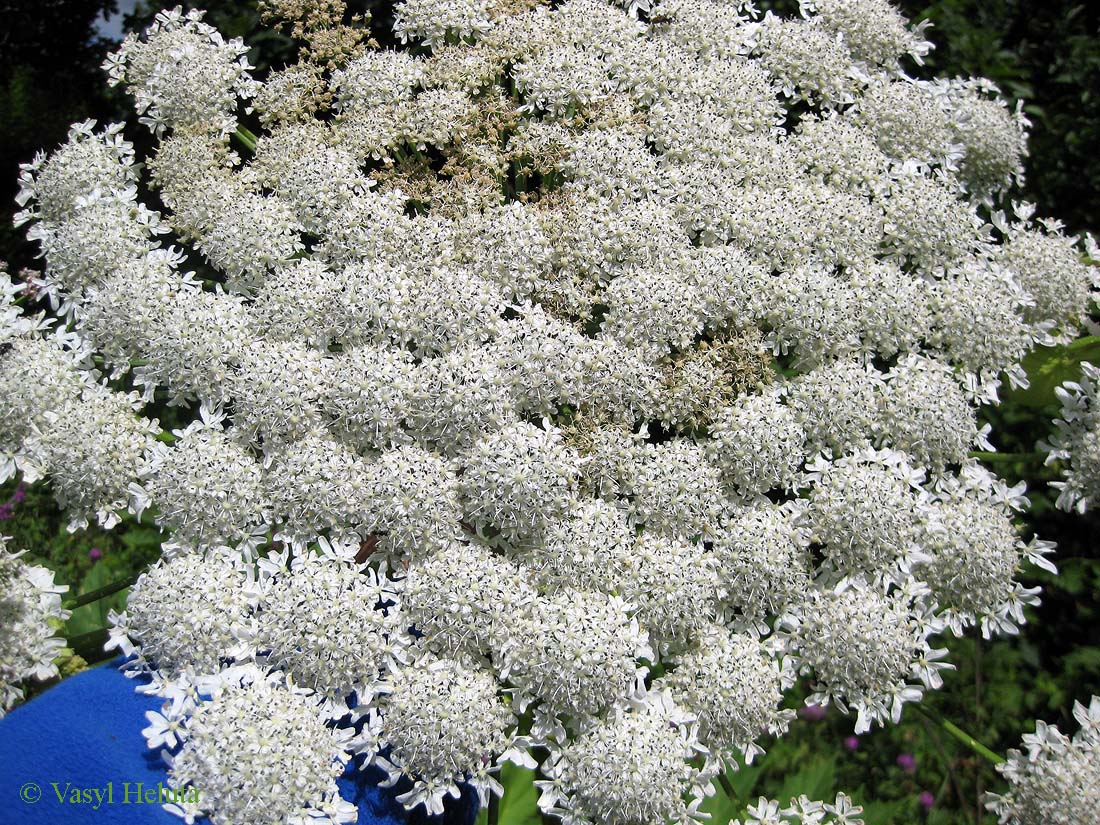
(101, 593)
(988, 456)
(89, 646)
(166, 437)
(727, 788)
(493, 814)
(100, 361)
(948, 766)
(246, 138)
(961, 735)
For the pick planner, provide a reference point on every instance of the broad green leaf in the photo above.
(519, 805)
(84, 620)
(816, 779)
(722, 809)
(1047, 367)
(745, 779)
(142, 538)
(90, 616)
(886, 813)
(94, 616)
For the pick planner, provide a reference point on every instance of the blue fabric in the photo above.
(85, 733)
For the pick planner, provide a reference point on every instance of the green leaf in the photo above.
(1071, 577)
(886, 813)
(742, 779)
(140, 537)
(1047, 367)
(816, 779)
(519, 805)
(89, 646)
(722, 809)
(83, 620)
(745, 779)
(90, 596)
(93, 616)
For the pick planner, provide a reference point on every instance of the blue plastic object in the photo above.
(83, 737)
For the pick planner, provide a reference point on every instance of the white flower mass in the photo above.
(30, 608)
(1076, 441)
(592, 370)
(1057, 779)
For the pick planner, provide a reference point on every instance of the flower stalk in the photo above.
(961, 735)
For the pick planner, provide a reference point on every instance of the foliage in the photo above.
(49, 78)
(86, 561)
(1045, 54)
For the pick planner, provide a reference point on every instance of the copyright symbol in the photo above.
(30, 792)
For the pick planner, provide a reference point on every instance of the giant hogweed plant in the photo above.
(559, 388)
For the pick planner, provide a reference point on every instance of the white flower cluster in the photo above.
(803, 811)
(868, 648)
(1051, 267)
(1057, 780)
(185, 616)
(977, 510)
(255, 751)
(30, 608)
(734, 684)
(1076, 441)
(566, 369)
(183, 74)
(441, 721)
(652, 742)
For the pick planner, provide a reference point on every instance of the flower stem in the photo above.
(101, 593)
(961, 735)
(493, 814)
(727, 788)
(988, 456)
(246, 138)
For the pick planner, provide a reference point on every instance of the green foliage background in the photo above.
(1047, 54)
